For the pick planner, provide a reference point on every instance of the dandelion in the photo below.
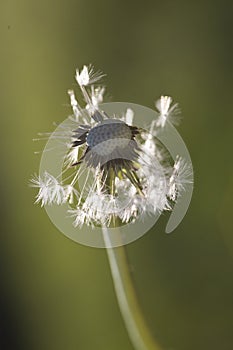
(115, 173)
(130, 175)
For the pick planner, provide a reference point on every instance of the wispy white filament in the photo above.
(167, 111)
(88, 76)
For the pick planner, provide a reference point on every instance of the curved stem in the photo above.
(126, 297)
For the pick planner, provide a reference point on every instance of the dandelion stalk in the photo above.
(135, 324)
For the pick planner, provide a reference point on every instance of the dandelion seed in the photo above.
(88, 76)
(50, 190)
(167, 111)
(74, 104)
(180, 177)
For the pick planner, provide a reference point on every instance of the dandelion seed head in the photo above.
(124, 173)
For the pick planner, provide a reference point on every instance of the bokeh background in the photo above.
(57, 294)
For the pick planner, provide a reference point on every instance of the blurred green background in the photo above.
(57, 294)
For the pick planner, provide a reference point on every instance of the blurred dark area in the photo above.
(57, 294)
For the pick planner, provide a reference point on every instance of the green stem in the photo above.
(126, 297)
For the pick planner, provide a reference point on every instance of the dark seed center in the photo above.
(108, 130)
